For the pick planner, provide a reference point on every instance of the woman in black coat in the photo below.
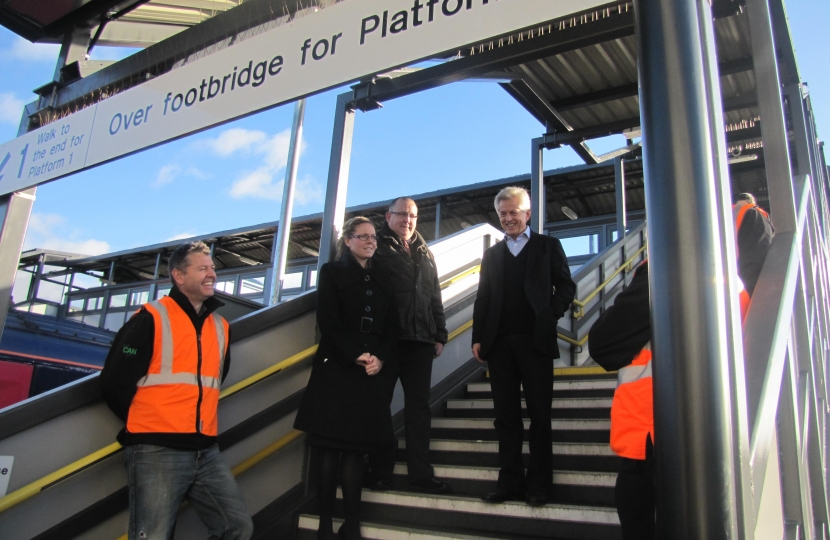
(346, 406)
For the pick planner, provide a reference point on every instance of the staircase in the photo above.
(464, 452)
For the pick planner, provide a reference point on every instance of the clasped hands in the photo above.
(370, 362)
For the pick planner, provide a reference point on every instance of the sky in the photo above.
(232, 176)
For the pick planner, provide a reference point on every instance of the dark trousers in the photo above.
(415, 372)
(634, 494)
(515, 364)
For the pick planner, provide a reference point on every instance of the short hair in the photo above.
(513, 192)
(348, 230)
(748, 197)
(395, 201)
(178, 259)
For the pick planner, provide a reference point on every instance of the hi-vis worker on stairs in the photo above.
(753, 236)
(620, 340)
(162, 377)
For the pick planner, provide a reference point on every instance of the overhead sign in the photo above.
(342, 43)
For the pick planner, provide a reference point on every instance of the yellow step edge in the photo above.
(571, 371)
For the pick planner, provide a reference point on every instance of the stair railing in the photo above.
(597, 283)
(785, 350)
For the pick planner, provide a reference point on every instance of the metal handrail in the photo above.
(766, 336)
(625, 266)
(32, 489)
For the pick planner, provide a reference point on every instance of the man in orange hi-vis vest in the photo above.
(620, 340)
(753, 236)
(162, 377)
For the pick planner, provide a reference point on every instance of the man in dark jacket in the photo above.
(524, 289)
(162, 378)
(403, 253)
(754, 232)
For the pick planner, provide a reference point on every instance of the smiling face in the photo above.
(403, 225)
(513, 219)
(362, 249)
(198, 278)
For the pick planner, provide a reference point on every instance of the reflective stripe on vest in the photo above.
(632, 417)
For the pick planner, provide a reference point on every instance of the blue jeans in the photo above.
(160, 478)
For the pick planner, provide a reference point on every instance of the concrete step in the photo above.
(567, 388)
(470, 516)
(560, 408)
(591, 457)
(569, 487)
(307, 530)
(581, 430)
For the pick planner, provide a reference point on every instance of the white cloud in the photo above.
(181, 236)
(260, 184)
(23, 49)
(11, 108)
(167, 174)
(50, 231)
(234, 139)
(171, 171)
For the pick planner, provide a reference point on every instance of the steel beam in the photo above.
(537, 186)
(619, 188)
(773, 125)
(547, 115)
(279, 253)
(692, 404)
(334, 210)
(557, 42)
(438, 210)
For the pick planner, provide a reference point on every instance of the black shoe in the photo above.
(379, 485)
(433, 487)
(342, 534)
(536, 498)
(503, 495)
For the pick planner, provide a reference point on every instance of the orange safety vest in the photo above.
(632, 411)
(178, 395)
(739, 218)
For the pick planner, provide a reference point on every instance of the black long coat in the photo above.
(548, 287)
(355, 314)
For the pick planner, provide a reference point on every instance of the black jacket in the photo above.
(548, 287)
(341, 401)
(754, 239)
(416, 285)
(624, 329)
(122, 372)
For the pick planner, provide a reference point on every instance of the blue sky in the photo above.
(231, 176)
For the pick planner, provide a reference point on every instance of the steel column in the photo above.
(537, 186)
(438, 208)
(279, 253)
(692, 404)
(153, 286)
(334, 211)
(804, 161)
(15, 210)
(619, 187)
(773, 125)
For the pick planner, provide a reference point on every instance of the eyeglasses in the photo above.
(405, 214)
(365, 237)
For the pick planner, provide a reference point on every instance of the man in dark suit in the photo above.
(524, 289)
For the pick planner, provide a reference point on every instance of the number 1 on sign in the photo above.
(22, 159)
